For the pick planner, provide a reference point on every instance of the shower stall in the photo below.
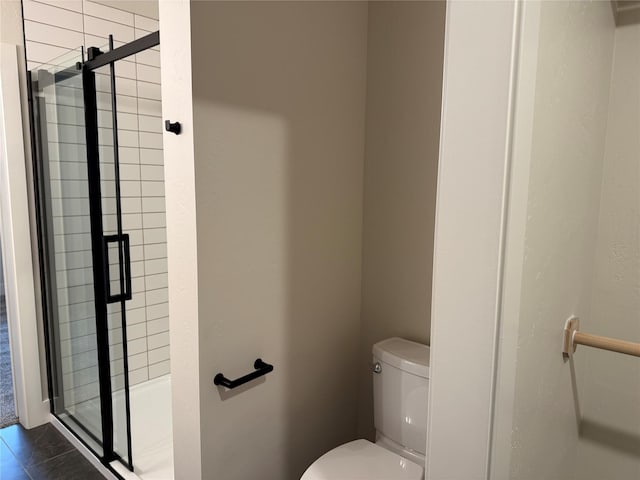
(89, 125)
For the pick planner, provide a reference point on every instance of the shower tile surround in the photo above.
(53, 28)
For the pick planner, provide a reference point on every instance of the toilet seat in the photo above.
(362, 460)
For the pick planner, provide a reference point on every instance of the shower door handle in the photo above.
(124, 244)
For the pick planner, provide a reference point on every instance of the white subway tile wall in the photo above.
(52, 29)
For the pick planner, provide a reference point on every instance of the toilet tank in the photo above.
(400, 392)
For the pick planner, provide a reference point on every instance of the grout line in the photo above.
(22, 466)
(52, 25)
(134, 14)
(84, 38)
(71, 450)
(79, 126)
(144, 271)
(82, 144)
(63, 47)
(56, 6)
(57, 45)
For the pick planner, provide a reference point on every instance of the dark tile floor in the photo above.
(41, 453)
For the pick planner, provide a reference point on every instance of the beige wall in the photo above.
(280, 130)
(610, 443)
(10, 32)
(279, 102)
(404, 85)
(563, 144)
(11, 23)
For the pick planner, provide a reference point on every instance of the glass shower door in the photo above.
(117, 248)
(58, 106)
(85, 255)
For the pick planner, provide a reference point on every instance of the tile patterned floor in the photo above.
(41, 453)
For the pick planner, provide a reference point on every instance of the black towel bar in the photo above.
(261, 367)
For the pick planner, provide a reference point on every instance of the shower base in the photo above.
(151, 431)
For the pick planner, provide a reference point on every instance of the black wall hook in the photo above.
(174, 127)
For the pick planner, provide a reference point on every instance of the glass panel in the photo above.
(118, 249)
(59, 113)
(93, 220)
(139, 127)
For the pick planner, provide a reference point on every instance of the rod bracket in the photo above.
(571, 325)
(93, 53)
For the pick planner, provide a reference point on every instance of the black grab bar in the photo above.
(261, 367)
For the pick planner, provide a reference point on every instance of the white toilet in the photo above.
(400, 391)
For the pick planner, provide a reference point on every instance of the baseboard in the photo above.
(36, 417)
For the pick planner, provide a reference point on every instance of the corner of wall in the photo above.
(21, 270)
(177, 105)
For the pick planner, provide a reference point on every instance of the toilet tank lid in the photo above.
(411, 357)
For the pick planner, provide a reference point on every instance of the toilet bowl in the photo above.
(400, 392)
(362, 460)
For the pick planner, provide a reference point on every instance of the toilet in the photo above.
(400, 391)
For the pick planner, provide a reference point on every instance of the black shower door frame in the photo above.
(99, 241)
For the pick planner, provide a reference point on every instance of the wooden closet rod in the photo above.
(572, 338)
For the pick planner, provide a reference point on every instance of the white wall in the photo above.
(16, 247)
(279, 102)
(474, 157)
(610, 437)
(405, 52)
(177, 101)
(11, 32)
(560, 125)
